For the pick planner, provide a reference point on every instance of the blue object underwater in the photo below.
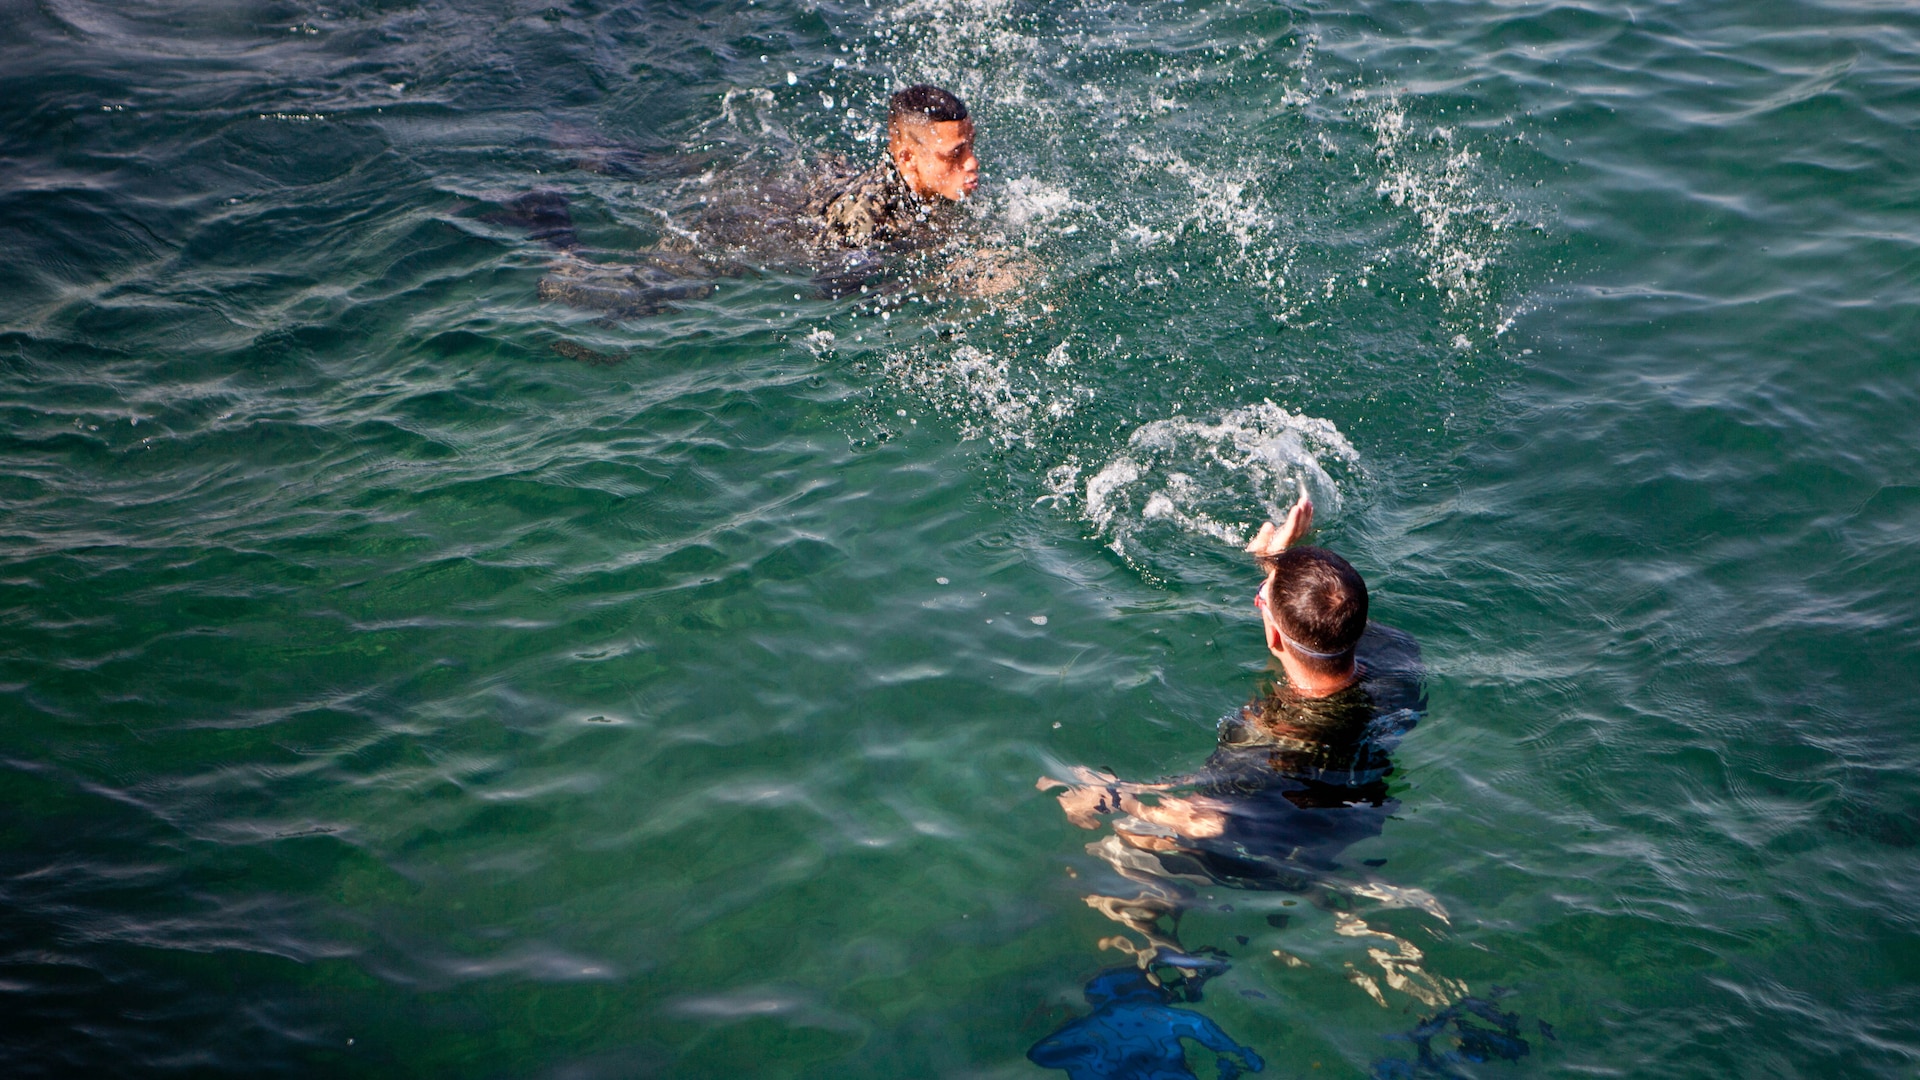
(1134, 1033)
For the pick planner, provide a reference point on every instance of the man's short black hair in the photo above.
(1320, 601)
(926, 103)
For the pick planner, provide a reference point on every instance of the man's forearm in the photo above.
(1186, 816)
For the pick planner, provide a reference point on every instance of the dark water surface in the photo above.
(384, 693)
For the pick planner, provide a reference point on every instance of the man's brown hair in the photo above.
(1320, 602)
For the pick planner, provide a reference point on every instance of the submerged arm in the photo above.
(1092, 794)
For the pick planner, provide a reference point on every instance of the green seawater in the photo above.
(385, 693)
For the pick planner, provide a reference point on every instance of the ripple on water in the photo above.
(384, 679)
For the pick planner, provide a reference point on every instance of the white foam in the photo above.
(973, 386)
(1008, 397)
(745, 103)
(1060, 483)
(1214, 479)
(1027, 202)
(819, 342)
(1105, 485)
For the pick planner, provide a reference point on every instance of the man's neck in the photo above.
(906, 185)
(1314, 684)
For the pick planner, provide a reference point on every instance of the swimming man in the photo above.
(843, 222)
(1296, 777)
(929, 162)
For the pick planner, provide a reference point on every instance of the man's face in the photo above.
(937, 158)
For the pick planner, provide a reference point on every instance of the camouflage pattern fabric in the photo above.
(843, 222)
(863, 209)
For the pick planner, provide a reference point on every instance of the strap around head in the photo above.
(1304, 651)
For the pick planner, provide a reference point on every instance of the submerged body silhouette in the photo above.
(1293, 782)
(1135, 1033)
(845, 226)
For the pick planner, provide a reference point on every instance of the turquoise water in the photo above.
(387, 694)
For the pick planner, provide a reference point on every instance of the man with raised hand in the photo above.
(1316, 595)
(1296, 777)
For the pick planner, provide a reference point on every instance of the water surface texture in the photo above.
(403, 676)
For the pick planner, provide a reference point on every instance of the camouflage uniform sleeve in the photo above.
(861, 210)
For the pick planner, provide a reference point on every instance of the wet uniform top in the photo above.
(1307, 777)
(852, 217)
(858, 209)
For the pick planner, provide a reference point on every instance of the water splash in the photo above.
(987, 394)
(1209, 479)
(1029, 203)
(1460, 231)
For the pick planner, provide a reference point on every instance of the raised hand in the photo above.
(1272, 540)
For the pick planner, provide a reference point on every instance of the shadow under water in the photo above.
(1135, 1033)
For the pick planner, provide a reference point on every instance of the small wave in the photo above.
(1201, 478)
